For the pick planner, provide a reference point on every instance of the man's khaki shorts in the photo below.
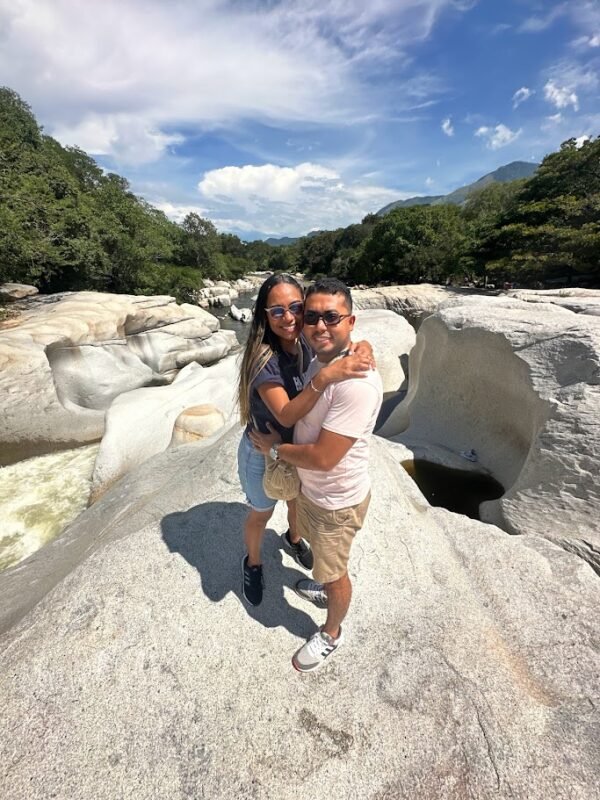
(330, 534)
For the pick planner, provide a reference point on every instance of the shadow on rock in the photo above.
(209, 537)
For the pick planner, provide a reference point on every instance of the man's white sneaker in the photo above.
(314, 652)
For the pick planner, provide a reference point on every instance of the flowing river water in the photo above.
(39, 497)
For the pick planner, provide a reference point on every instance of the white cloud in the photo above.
(447, 127)
(131, 140)
(521, 95)
(429, 182)
(179, 211)
(289, 200)
(560, 96)
(269, 182)
(137, 72)
(581, 140)
(594, 41)
(497, 137)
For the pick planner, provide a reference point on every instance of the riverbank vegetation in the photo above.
(65, 224)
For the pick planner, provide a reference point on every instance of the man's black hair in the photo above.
(330, 286)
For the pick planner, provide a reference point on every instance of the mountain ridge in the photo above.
(515, 170)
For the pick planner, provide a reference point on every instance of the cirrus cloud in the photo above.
(139, 71)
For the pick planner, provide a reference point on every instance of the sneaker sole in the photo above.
(250, 603)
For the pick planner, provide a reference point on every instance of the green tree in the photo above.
(551, 230)
(201, 244)
(412, 244)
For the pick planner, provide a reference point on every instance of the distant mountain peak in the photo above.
(509, 172)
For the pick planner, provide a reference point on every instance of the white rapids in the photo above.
(38, 499)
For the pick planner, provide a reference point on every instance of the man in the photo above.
(331, 452)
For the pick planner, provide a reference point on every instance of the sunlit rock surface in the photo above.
(469, 669)
(518, 383)
(581, 301)
(140, 423)
(392, 338)
(413, 302)
(68, 356)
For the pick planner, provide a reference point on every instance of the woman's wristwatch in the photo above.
(274, 451)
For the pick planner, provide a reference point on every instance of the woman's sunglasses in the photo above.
(330, 318)
(278, 312)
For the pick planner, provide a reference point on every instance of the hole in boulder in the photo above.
(461, 491)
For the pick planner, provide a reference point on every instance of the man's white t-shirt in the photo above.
(349, 408)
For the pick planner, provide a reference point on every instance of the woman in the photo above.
(271, 392)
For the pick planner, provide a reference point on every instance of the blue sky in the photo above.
(277, 118)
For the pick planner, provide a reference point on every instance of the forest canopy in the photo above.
(66, 225)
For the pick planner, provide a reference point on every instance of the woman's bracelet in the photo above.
(314, 388)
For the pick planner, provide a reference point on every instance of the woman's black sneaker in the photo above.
(252, 583)
(300, 551)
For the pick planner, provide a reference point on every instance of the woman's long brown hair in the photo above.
(261, 344)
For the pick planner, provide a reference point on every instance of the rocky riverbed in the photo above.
(471, 662)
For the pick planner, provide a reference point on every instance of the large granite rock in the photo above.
(10, 292)
(66, 358)
(140, 424)
(518, 383)
(392, 338)
(470, 668)
(581, 301)
(413, 302)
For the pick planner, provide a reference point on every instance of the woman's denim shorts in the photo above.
(251, 468)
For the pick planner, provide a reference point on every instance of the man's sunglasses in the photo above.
(330, 318)
(278, 312)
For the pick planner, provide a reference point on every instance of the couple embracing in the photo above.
(310, 397)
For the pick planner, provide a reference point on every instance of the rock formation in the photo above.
(240, 314)
(140, 423)
(197, 423)
(519, 383)
(68, 356)
(221, 294)
(11, 292)
(413, 302)
(392, 339)
(131, 668)
(581, 301)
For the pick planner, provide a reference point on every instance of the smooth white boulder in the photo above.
(414, 302)
(131, 667)
(66, 357)
(139, 424)
(518, 383)
(240, 314)
(197, 423)
(392, 338)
